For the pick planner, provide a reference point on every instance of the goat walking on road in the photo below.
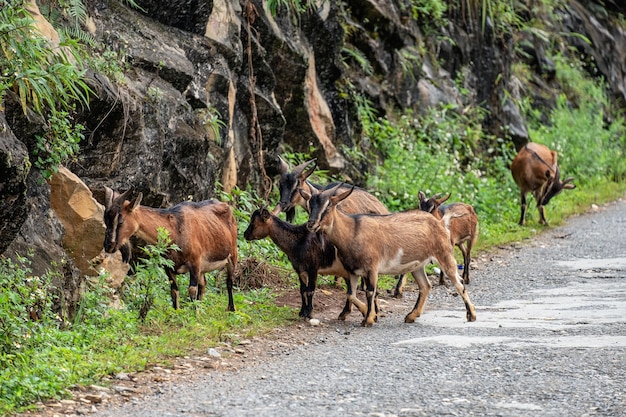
(205, 232)
(535, 170)
(370, 244)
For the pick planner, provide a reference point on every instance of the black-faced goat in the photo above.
(462, 225)
(205, 232)
(535, 170)
(291, 181)
(371, 244)
(310, 253)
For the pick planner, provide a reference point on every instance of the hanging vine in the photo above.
(256, 137)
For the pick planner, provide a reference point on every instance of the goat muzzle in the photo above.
(312, 227)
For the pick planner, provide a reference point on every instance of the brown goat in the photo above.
(535, 170)
(310, 253)
(463, 226)
(372, 244)
(205, 232)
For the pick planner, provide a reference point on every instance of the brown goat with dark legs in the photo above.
(372, 244)
(310, 253)
(535, 170)
(205, 232)
(463, 226)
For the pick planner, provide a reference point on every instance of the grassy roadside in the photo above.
(567, 204)
(104, 341)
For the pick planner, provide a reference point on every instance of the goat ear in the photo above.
(265, 214)
(108, 197)
(283, 166)
(120, 199)
(421, 196)
(305, 194)
(336, 199)
(135, 203)
(443, 199)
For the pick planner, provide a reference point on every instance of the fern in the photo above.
(78, 34)
(77, 10)
(360, 59)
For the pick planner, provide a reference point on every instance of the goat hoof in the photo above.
(408, 319)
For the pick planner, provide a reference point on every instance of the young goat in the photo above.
(370, 244)
(463, 226)
(310, 253)
(205, 232)
(535, 170)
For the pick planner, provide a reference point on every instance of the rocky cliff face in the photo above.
(214, 90)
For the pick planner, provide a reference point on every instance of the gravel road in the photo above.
(549, 340)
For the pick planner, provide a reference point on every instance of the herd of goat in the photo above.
(349, 234)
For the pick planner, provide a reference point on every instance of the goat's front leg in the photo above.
(173, 288)
(307, 289)
(399, 289)
(194, 275)
(303, 278)
(522, 219)
(452, 273)
(230, 276)
(424, 289)
(370, 293)
(542, 216)
(351, 284)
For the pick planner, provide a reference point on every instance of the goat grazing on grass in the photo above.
(535, 170)
(463, 226)
(205, 232)
(372, 244)
(310, 253)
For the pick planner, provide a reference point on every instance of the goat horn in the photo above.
(276, 210)
(108, 197)
(120, 199)
(283, 166)
(300, 168)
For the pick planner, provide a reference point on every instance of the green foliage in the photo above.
(244, 203)
(23, 296)
(46, 80)
(428, 9)
(150, 278)
(42, 356)
(296, 6)
(358, 57)
(212, 121)
(438, 154)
